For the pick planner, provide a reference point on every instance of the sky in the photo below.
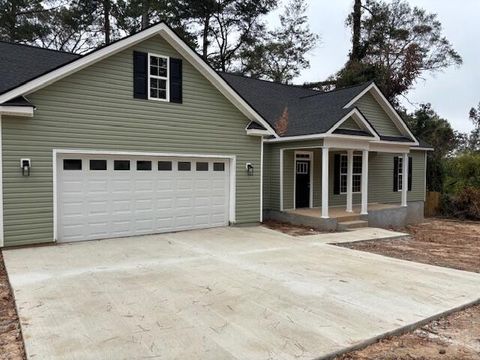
(452, 92)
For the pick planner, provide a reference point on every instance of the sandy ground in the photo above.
(448, 243)
(11, 343)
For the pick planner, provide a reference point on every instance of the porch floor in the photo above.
(338, 212)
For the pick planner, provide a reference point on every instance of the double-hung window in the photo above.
(356, 174)
(158, 81)
(400, 173)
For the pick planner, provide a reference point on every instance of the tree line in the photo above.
(232, 35)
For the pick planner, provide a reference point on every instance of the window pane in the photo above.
(164, 165)
(218, 166)
(143, 165)
(98, 164)
(184, 166)
(357, 183)
(72, 164)
(154, 93)
(154, 70)
(153, 60)
(343, 183)
(162, 84)
(357, 164)
(343, 164)
(202, 166)
(162, 94)
(121, 165)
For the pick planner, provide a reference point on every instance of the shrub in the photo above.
(464, 205)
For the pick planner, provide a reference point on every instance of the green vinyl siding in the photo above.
(350, 124)
(377, 117)
(271, 176)
(95, 109)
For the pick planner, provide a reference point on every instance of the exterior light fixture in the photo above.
(25, 165)
(249, 167)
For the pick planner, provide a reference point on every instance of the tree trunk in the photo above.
(206, 25)
(106, 20)
(356, 37)
(145, 15)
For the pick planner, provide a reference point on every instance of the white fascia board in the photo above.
(23, 111)
(357, 115)
(160, 29)
(257, 132)
(422, 149)
(385, 104)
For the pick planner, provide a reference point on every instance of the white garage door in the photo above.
(112, 196)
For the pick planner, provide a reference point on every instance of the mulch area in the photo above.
(11, 342)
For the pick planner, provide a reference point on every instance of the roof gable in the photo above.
(381, 113)
(173, 39)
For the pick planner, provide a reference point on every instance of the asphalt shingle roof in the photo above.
(308, 111)
(20, 63)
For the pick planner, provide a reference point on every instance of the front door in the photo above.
(302, 191)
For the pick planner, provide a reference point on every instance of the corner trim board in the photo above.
(2, 241)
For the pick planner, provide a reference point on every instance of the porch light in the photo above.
(25, 165)
(249, 167)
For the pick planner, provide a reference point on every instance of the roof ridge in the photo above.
(40, 48)
(270, 81)
(339, 89)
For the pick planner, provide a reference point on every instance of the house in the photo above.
(142, 137)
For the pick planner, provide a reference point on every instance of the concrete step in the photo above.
(346, 218)
(350, 225)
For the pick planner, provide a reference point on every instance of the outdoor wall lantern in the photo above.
(249, 168)
(25, 165)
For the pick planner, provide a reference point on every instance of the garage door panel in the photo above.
(114, 202)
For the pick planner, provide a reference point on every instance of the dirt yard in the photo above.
(11, 343)
(293, 230)
(448, 243)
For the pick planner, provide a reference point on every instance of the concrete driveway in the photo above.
(229, 293)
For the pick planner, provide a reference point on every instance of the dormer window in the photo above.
(158, 81)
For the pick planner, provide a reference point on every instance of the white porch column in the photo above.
(404, 179)
(325, 182)
(364, 210)
(349, 181)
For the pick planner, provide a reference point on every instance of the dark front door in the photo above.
(302, 184)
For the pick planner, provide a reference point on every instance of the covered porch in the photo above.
(332, 181)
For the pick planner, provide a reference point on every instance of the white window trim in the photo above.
(166, 78)
(400, 174)
(346, 174)
(232, 167)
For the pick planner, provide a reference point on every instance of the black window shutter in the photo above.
(336, 174)
(395, 174)
(175, 80)
(410, 167)
(140, 76)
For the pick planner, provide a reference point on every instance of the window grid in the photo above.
(400, 173)
(158, 77)
(357, 174)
